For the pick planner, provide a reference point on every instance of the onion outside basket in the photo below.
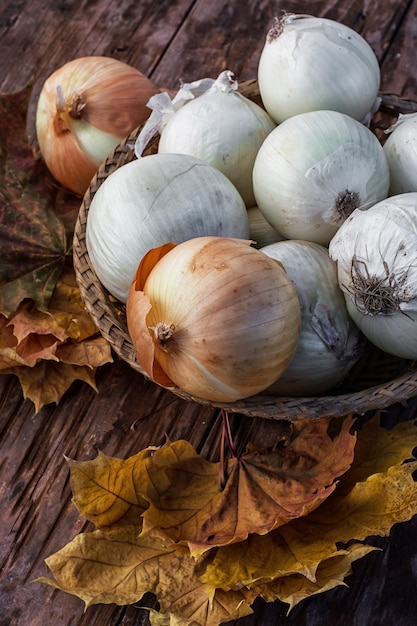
(376, 381)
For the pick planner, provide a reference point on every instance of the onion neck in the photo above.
(66, 111)
(163, 334)
(374, 295)
(346, 202)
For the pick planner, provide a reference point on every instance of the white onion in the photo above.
(157, 199)
(401, 152)
(329, 342)
(220, 126)
(310, 63)
(314, 169)
(376, 255)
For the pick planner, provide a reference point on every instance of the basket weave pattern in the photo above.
(376, 381)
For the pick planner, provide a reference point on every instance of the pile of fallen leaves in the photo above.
(209, 538)
(46, 336)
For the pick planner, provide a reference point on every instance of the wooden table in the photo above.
(170, 40)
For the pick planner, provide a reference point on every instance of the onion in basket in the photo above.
(401, 152)
(314, 169)
(152, 200)
(222, 127)
(214, 317)
(376, 255)
(330, 343)
(311, 63)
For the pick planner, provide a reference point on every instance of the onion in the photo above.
(84, 110)
(401, 152)
(376, 255)
(219, 126)
(310, 64)
(329, 343)
(213, 316)
(153, 200)
(313, 170)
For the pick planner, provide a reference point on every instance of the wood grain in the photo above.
(170, 40)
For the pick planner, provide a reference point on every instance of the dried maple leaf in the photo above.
(330, 573)
(92, 352)
(47, 381)
(377, 492)
(105, 490)
(29, 320)
(34, 348)
(28, 351)
(65, 318)
(8, 342)
(119, 566)
(66, 298)
(264, 488)
(33, 239)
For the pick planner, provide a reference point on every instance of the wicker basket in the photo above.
(377, 380)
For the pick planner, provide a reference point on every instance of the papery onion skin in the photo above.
(313, 170)
(153, 200)
(376, 256)
(401, 151)
(330, 343)
(231, 314)
(310, 63)
(222, 127)
(84, 110)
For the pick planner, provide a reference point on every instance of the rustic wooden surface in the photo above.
(169, 40)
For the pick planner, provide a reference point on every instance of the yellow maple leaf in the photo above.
(105, 490)
(47, 381)
(330, 573)
(119, 566)
(66, 298)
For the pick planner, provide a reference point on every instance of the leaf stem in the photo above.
(228, 433)
(226, 438)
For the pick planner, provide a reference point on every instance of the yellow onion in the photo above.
(213, 316)
(85, 108)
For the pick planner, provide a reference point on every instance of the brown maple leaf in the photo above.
(8, 343)
(264, 488)
(33, 239)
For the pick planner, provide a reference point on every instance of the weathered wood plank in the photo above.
(216, 37)
(36, 37)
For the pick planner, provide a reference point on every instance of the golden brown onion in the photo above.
(213, 316)
(84, 110)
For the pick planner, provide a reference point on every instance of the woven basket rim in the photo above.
(108, 314)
